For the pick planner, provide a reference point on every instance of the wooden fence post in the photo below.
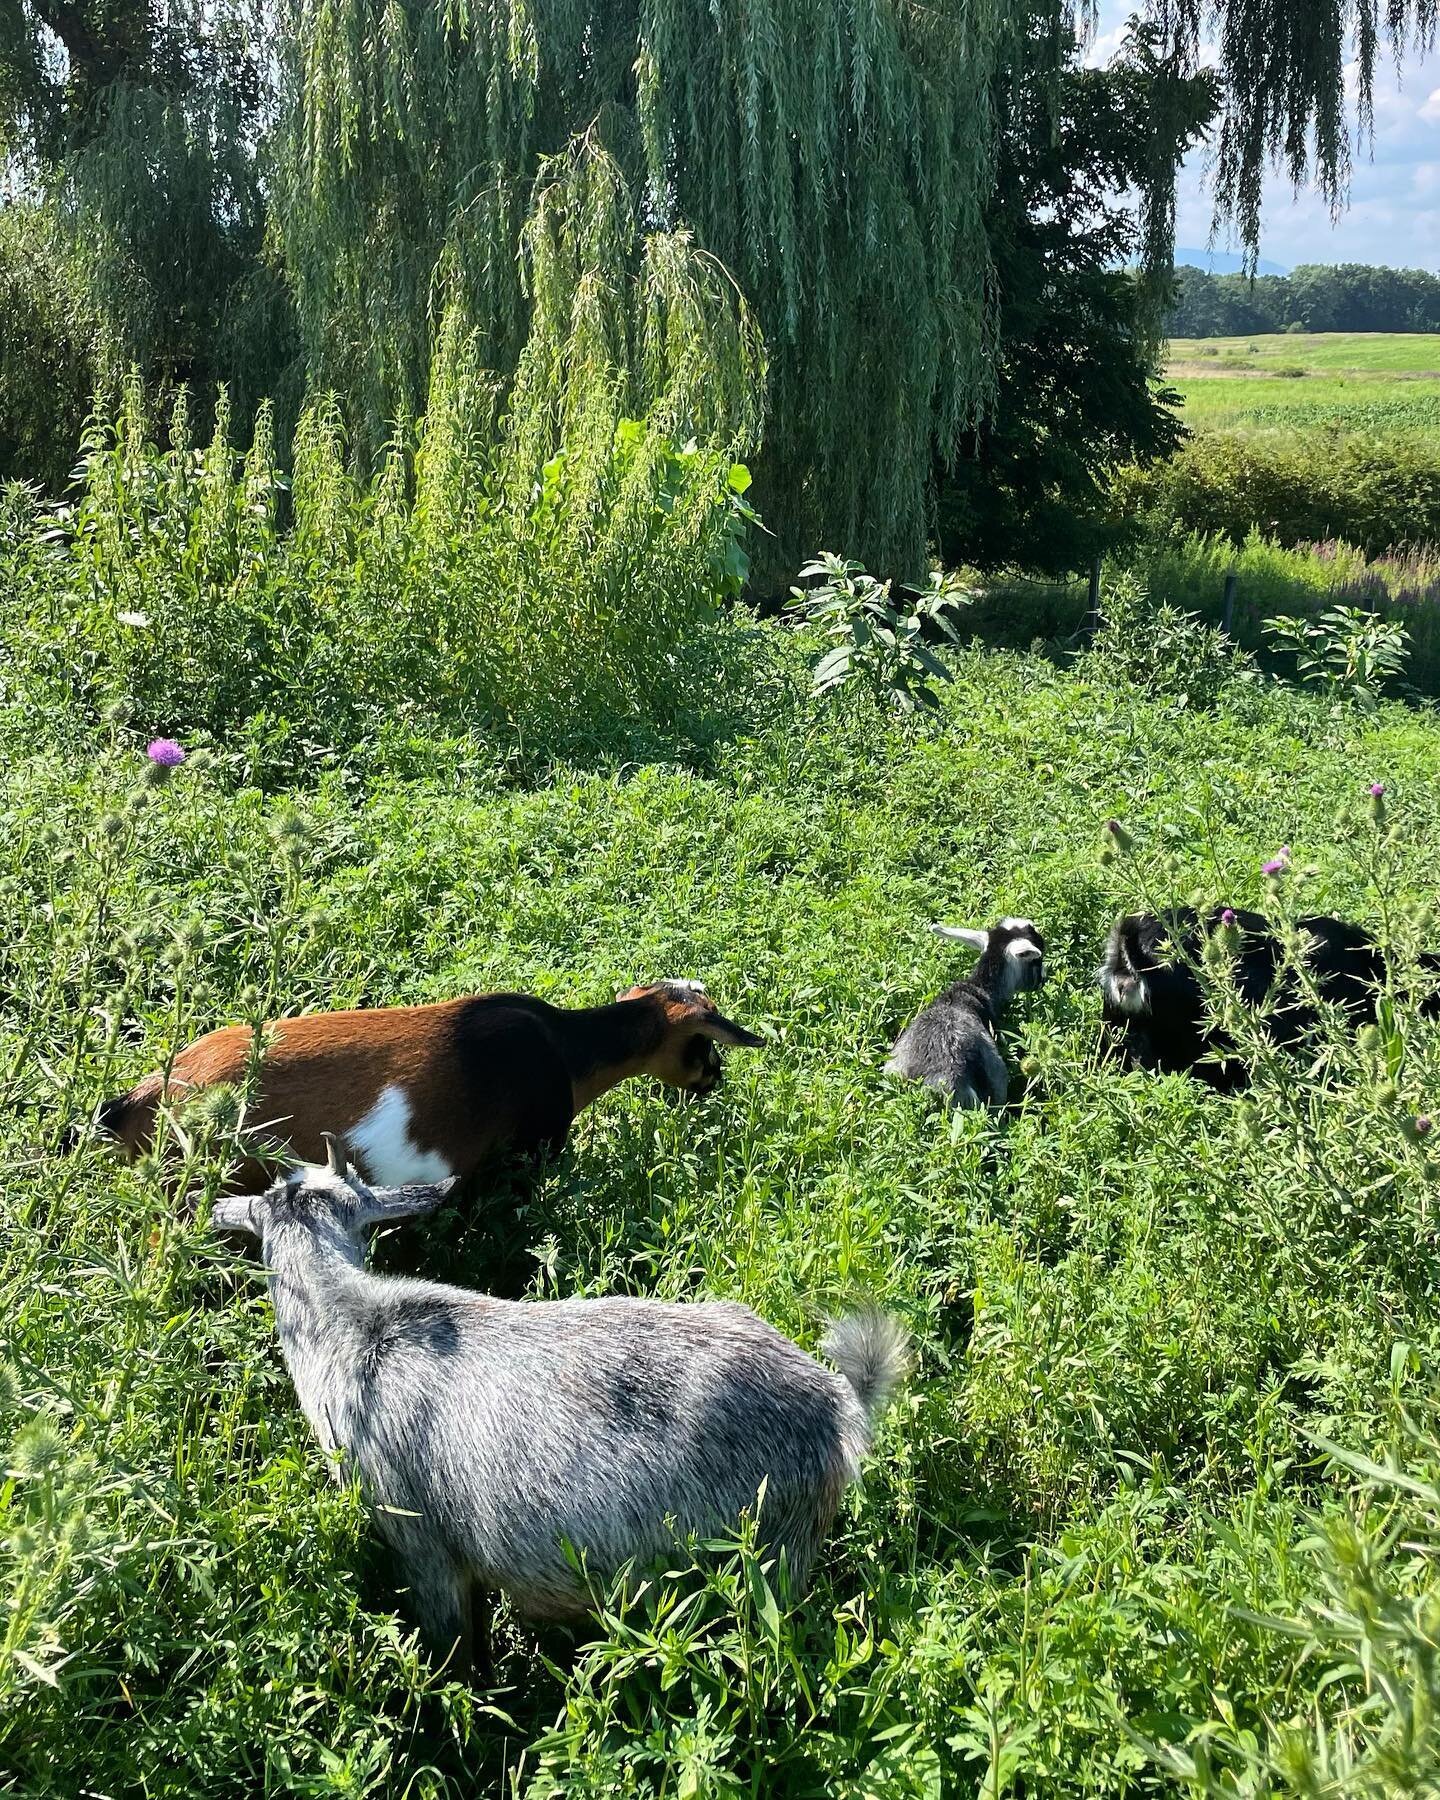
(1092, 611)
(1227, 614)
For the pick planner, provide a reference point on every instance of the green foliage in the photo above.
(1369, 1623)
(1314, 297)
(1348, 654)
(135, 137)
(835, 164)
(289, 196)
(47, 366)
(880, 646)
(485, 572)
(1375, 493)
(1136, 1303)
(1156, 649)
(1311, 579)
(1074, 398)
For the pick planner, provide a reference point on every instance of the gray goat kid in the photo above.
(485, 1432)
(952, 1044)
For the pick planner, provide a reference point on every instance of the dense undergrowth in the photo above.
(1104, 1546)
(1377, 490)
(550, 575)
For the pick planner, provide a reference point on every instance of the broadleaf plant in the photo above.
(880, 641)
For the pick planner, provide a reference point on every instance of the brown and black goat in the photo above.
(421, 1093)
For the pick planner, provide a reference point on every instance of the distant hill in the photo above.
(1223, 262)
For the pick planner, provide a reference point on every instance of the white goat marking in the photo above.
(382, 1141)
(1017, 925)
(1126, 993)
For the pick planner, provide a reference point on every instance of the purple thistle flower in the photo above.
(166, 752)
(1377, 788)
(1423, 1126)
(1278, 863)
(1228, 916)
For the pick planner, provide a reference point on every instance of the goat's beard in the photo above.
(1123, 986)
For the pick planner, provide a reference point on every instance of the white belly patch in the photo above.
(382, 1145)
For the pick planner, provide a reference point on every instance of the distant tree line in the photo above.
(1343, 297)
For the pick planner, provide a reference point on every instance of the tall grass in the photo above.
(1104, 1547)
(1191, 572)
(490, 572)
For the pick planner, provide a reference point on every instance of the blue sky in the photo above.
(1394, 211)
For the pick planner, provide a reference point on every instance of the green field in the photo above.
(1355, 381)
(1159, 1505)
(1138, 1307)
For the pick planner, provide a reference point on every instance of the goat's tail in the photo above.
(872, 1351)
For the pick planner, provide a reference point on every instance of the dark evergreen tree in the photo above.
(1074, 395)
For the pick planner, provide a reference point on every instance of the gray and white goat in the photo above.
(484, 1432)
(952, 1044)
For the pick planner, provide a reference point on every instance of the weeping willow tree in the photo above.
(133, 135)
(665, 185)
(616, 167)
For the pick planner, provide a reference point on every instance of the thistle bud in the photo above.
(1217, 952)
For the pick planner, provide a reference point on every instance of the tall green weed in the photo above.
(487, 574)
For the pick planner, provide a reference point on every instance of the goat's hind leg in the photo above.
(440, 1597)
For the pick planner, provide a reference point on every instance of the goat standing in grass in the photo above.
(427, 1092)
(952, 1045)
(487, 1433)
(1155, 1003)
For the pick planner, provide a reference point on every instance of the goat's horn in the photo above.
(336, 1154)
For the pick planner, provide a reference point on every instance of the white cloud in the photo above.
(1394, 211)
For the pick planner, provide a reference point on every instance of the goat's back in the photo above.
(949, 1046)
(504, 1427)
(452, 1081)
(1166, 1027)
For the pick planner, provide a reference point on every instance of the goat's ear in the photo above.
(234, 1212)
(726, 1031)
(412, 1201)
(980, 940)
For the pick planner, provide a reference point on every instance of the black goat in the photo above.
(1155, 1005)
